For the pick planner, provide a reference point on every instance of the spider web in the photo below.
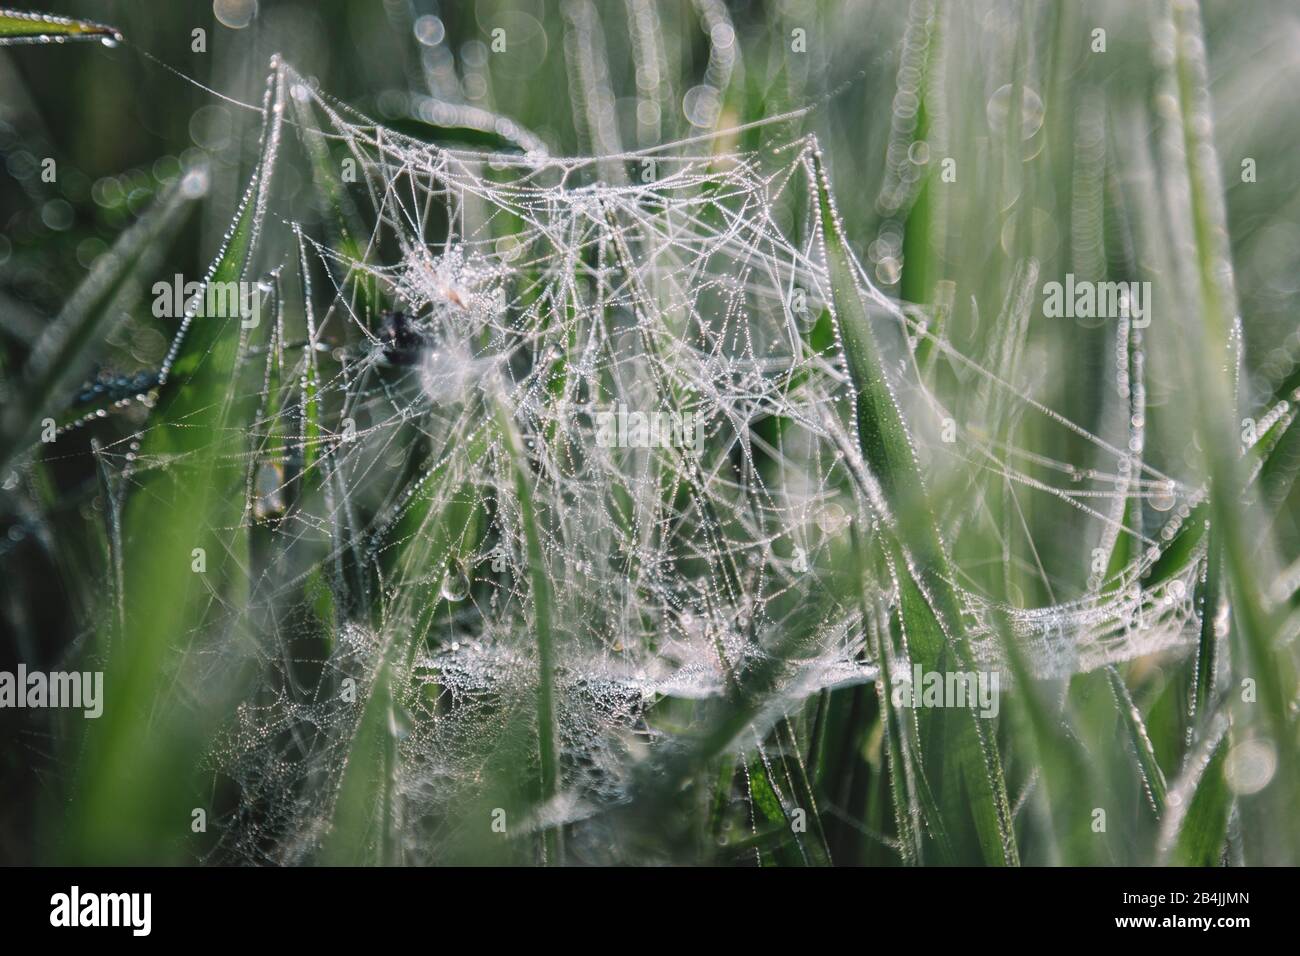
(454, 300)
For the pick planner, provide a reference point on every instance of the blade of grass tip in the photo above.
(17, 26)
(540, 586)
(1123, 534)
(63, 354)
(923, 53)
(1196, 822)
(1153, 778)
(931, 607)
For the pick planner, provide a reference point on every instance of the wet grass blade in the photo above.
(543, 601)
(65, 351)
(1196, 825)
(178, 552)
(17, 26)
(931, 608)
(1153, 777)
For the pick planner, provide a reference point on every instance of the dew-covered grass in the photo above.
(580, 442)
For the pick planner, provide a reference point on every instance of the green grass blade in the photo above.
(17, 26)
(130, 792)
(543, 601)
(930, 605)
(1152, 776)
(66, 349)
(1196, 825)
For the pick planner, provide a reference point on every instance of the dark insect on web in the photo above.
(402, 341)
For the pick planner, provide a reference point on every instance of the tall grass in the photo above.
(439, 619)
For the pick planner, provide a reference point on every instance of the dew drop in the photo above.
(455, 583)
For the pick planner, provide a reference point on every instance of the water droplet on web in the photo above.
(455, 583)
